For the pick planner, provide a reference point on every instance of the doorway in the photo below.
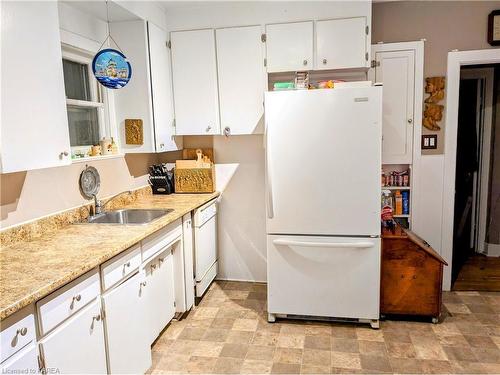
(473, 267)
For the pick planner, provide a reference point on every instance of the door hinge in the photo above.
(367, 30)
(175, 304)
(265, 62)
(263, 38)
(367, 56)
(169, 44)
(173, 123)
(103, 312)
(375, 63)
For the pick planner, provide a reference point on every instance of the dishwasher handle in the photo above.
(356, 245)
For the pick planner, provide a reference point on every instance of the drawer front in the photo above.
(161, 239)
(18, 330)
(63, 303)
(23, 362)
(121, 266)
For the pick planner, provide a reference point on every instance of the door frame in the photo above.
(456, 59)
(482, 182)
(418, 99)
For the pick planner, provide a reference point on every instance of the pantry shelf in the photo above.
(396, 187)
(402, 216)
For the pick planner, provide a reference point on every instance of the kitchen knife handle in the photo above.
(269, 183)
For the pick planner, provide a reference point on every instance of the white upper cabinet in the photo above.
(161, 87)
(289, 46)
(396, 70)
(34, 126)
(240, 60)
(194, 69)
(341, 43)
(148, 95)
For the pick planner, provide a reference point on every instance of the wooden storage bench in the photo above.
(412, 275)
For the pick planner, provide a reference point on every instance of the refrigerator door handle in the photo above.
(269, 184)
(356, 245)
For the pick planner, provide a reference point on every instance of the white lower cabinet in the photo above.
(128, 347)
(159, 293)
(23, 362)
(77, 345)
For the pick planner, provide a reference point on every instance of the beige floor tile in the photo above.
(215, 334)
(293, 328)
(199, 323)
(265, 338)
(346, 360)
(172, 362)
(344, 332)
(228, 365)
(263, 353)
(487, 355)
(288, 355)
(400, 350)
(205, 312)
(252, 366)
(291, 341)
(459, 353)
(436, 367)
(375, 364)
(368, 334)
(457, 308)
(237, 294)
(200, 365)
(285, 368)
(183, 347)
(239, 337)
(491, 368)
(224, 323)
(207, 349)
(430, 351)
(481, 342)
(322, 330)
(496, 340)
(245, 325)
(234, 350)
(345, 345)
(464, 367)
(311, 369)
(318, 342)
(406, 365)
(316, 357)
(375, 348)
(189, 333)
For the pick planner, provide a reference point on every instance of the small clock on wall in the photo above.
(494, 28)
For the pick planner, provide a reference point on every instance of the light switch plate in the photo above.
(429, 141)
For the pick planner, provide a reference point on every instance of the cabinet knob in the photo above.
(153, 266)
(95, 318)
(63, 154)
(161, 260)
(22, 331)
(304, 62)
(227, 131)
(162, 145)
(126, 265)
(143, 283)
(410, 121)
(76, 298)
(324, 61)
(208, 128)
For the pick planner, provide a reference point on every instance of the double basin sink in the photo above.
(129, 216)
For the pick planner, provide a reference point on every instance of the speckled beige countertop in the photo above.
(30, 270)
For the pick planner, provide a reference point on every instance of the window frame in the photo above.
(100, 98)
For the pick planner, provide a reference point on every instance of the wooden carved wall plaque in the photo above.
(134, 134)
(433, 112)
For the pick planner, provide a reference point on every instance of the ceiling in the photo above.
(98, 10)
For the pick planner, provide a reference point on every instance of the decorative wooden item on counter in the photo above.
(412, 275)
(433, 112)
(190, 153)
(195, 176)
(134, 134)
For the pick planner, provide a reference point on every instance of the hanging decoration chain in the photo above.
(108, 37)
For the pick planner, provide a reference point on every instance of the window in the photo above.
(85, 103)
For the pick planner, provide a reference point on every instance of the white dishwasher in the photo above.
(205, 246)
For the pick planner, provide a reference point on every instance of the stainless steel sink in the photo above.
(128, 216)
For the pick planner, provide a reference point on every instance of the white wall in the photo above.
(240, 159)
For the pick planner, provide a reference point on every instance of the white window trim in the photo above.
(101, 98)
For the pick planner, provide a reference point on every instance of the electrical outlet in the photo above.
(429, 141)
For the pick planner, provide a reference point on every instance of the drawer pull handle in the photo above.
(126, 265)
(153, 266)
(143, 283)
(161, 260)
(76, 298)
(94, 319)
(23, 331)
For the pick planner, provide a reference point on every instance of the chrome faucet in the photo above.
(99, 205)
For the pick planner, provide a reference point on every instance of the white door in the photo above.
(77, 346)
(324, 276)
(341, 43)
(23, 362)
(289, 46)
(240, 61)
(323, 161)
(159, 293)
(194, 71)
(396, 70)
(187, 240)
(126, 327)
(134, 100)
(34, 122)
(161, 90)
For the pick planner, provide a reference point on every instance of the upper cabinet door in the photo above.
(194, 70)
(396, 70)
(289, 46)
(241, 71)
(34, 120)
(161, 87)
(341, 43)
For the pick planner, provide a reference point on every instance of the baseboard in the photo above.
(240, 280)
(493, 249)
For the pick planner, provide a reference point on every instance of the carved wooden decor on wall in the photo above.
(433, 112)
(134, 134)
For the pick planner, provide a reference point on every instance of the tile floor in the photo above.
(228, 334)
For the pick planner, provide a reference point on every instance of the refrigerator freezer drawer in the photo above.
(336, 277)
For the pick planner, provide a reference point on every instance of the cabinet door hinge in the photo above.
(367, 30)
(265, 62)
(375, 63)
(173, 123)
(103, 312)
(367, 56)
(263, 38)
(41, 363)
(169, 44)
(175, 304)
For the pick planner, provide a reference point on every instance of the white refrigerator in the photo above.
(323, 164)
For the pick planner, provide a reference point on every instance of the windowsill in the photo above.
(96, 158)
